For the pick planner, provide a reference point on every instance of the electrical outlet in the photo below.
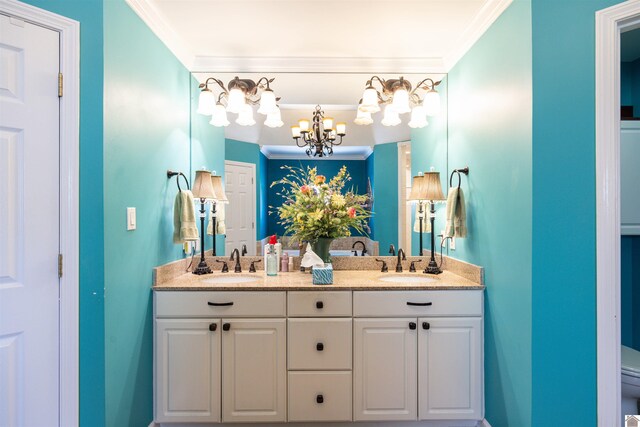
(452, 244)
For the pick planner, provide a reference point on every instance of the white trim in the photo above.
(609, 23)
(69, 198)
(401, 183)
(150, 16)
(485, 423)
(481, 23)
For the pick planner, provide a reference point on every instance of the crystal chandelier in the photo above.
(399, 98)
(319, 136)
(237, 98)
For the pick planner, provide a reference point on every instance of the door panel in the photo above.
(240, 211)
(29, 224)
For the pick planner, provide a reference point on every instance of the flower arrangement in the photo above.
(314, 208)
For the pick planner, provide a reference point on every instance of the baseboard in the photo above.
(483, 423)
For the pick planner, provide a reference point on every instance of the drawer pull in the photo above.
(319, 305)
(319, 346)
(226, 326)
(426, 325)
(213, 327)
(319, 399)
(412, 325)
(220, 304)
(419, 304)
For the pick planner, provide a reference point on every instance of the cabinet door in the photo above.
(384, 369)
(629, 177)
(187, 370)
(450, 368)
(254, 377)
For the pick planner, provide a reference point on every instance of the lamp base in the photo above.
(202, 268)
(432, 268)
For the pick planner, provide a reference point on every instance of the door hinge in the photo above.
(59, 85)
(252, 226)
(59, 266)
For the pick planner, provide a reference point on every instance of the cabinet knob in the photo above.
(226, 326)
(412, 325)
(319, 304)
(319, 346)
(319, 399)
(426, 325)
(213, 327)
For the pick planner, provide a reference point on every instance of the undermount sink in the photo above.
(232, 279)
(401, 278)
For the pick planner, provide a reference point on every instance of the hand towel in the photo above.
(220, 217)
(456, 214)
(184, 218)
(426, 223)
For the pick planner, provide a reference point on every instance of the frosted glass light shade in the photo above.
(363, 118)
(341, 128)
(218, 188)
(202, 187)
(369, 101)
(245, 117)
(295, 131)
(267, 102)
(431, 103)
(327, 123)
(206, 102)
(219, 116)
(391, 117)
(274, 119)
(235, 101)
(401, 101)
(303, 125)
(418, 117)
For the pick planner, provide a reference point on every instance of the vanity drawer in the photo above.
(320, 344)
(319, 304)
(320, 396)
(417, 303)
(220, 304)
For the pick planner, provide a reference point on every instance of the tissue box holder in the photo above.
(323, 275)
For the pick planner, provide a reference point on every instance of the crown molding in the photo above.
(481, 23)
(361, 155)
(150, 16)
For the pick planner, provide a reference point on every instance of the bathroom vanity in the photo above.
(280, 350)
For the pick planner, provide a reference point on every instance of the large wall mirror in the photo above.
(380, 159)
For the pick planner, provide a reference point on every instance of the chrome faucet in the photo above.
(392, 250)
(364, 248)
(401, 257)
(237, 268)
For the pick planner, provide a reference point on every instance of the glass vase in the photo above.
(321, 248)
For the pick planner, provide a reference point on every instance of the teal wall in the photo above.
(630, 85)
(429, 149)
(248, 152)
(490, 114)
(89, 14)
(385, 195)
(564, 212)
(630, 291)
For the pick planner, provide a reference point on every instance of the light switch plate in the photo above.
(131, 219)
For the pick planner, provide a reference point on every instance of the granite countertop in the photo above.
(295, 281)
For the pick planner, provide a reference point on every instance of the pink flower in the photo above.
(351, 212)
(305, 189)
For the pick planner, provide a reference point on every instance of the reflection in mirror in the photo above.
(383, 158)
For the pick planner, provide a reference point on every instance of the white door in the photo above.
(188, 370)
(254, 371)
(29, 224)
(384, 369)
(240, 187)
(450, 368)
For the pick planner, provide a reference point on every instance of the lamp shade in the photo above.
(391, 117)
(327, 123)
(202, 187)
(216, 182)
(431, 103)
(267, 102)
(363, 118)
(369, 101)
(206, 102)
(426, 187)
(219, 116)
(274, 119)
(245, 116)
(418, 117)
(401, 101)
(235, 100)
(341, 128)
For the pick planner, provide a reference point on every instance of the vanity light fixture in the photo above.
(238, 97)
(427, 187)
(203, 190)
(399, 98)
(319, 136)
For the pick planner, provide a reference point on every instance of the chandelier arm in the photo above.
(304, 143)
(370, 81)
(213, 79)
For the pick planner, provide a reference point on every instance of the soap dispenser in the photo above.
(272, 257)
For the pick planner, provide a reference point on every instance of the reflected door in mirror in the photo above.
(240, 215)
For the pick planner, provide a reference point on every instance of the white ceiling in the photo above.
(320, 52)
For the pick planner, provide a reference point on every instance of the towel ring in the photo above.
(171, 174)
(464, 170)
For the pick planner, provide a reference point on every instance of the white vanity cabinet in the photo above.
(220, 356)
(418, 355)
